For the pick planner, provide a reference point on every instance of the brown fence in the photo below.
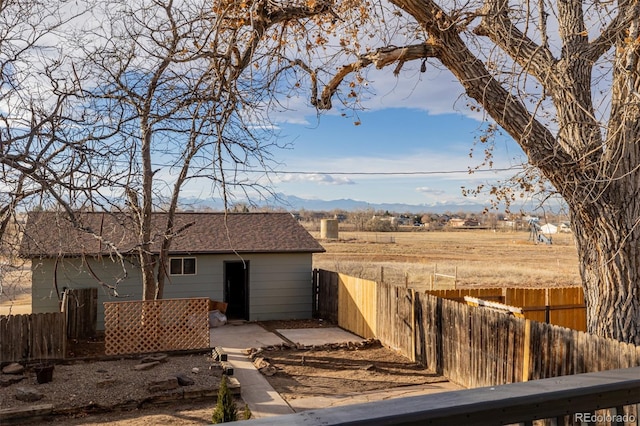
(156, 325)
(32, 337)
(81, 309)
(560, 306)
(325, 295)
(479, 347)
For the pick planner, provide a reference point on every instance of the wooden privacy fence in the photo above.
(475, 346)
(560, 306)
(32, 337)
(156, 325)
(479, 347)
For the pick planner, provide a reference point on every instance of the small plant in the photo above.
(226, 407)
(247, 412)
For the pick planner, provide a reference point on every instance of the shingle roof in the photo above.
(52, 234)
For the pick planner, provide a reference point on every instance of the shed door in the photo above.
(236, 289)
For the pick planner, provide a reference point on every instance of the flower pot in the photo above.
(44, 373)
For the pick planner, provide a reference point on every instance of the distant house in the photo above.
(471, 222)
(456, 222)
(259, 263)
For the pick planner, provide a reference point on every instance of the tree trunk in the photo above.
(609, 258)
(146, 257)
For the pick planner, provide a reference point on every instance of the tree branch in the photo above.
(496, 25)
(380, 58)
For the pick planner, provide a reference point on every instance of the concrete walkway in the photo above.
(257, 393)
(264, 401)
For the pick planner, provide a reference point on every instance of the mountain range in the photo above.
(293, 203)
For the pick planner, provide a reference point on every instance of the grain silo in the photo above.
(329, 229)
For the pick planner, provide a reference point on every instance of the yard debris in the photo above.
(217, 319)
(252, 353)
(153, 358)
(146, 366)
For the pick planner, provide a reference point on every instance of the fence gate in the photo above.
(80, 306)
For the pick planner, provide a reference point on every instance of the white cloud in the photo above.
(430, 191)
(320, 178)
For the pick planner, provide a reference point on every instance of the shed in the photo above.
(258, 263)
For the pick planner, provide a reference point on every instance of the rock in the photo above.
(13, 368)
(260, 362)
(269, 370)
(233, 383)
(146, 366)
(369, 367)
(153, 358)
(184, 380)
(8, 381)
(255, 353)
(195, 370)
(166, 384)
(28, 394)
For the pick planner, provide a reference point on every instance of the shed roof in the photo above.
(49, 234)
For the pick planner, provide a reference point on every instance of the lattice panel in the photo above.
(156, 325)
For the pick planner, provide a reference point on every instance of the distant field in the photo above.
(482, 258)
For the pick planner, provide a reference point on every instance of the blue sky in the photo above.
(416, 126)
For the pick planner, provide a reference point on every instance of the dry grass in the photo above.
(481, 258)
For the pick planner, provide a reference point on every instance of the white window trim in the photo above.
(182, 259)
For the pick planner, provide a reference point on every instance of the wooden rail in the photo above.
(575, 396)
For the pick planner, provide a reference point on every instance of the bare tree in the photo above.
(44, 154)
(179, 83)
(562, 79)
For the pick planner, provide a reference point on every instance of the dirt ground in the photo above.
(300, 374)
(303, 374)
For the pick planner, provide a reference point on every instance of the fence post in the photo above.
(413, 325)
(314, 294)
(527, 350)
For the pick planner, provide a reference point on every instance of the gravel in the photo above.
(105, 384)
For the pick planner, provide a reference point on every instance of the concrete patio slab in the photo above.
(319, 336)
(242, 336)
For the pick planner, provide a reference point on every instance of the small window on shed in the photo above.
(182, 266)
